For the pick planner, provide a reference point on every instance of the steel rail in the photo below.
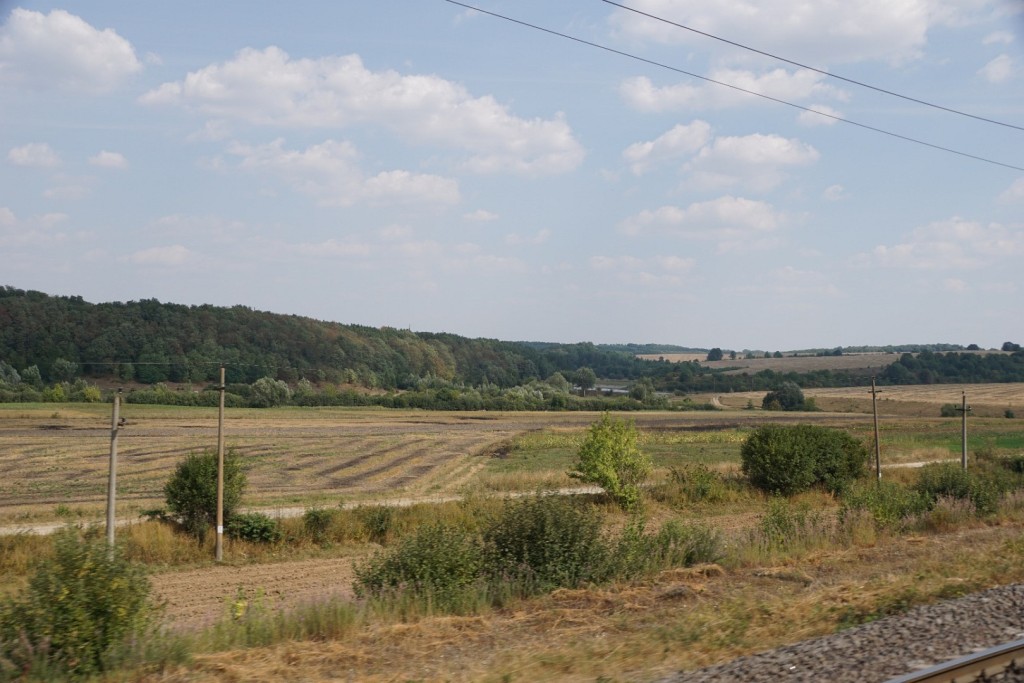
(987, 663)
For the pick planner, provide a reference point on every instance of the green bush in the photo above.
(611, 458)
(674, 545)
(787, 396)
(437, 562)
(891, 505)
(379, 521)
(316, 522)
(784, 459)
(255, 527)
(984, 487)
(949, 410)
(85, 610)
(546, 542)
(192, 490)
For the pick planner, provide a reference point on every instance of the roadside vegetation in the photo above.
(489, 559)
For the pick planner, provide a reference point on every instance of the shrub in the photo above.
(437, 562)
(784, 459)
(317, 522)
(787, 396)
(84, 610)
(1009, 414)
(379, 521)
(950, 480)
(255, 527)
(546, 542)
(949, 410)
(692, 484)
(611, 458)
(890, 505)
(192, 490)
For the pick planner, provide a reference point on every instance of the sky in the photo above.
(417, 164)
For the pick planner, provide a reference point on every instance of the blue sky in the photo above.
(419, 165)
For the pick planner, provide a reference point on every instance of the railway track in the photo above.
(1000, 663)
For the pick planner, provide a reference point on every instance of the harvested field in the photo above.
(918, 400)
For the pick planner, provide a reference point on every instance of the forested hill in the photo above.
(149, 341)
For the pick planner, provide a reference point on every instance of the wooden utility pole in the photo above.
(220, 469)
(878, 448)
(963, 410)
(115, 428)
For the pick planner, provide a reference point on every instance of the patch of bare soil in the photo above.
(198, 597)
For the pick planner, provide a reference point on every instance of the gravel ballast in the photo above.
(883, 649)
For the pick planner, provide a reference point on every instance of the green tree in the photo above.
(715, 354)
(268, 392)
(32, 377)
(63, 370)
(8, 375)
(610, 457)
(585, 379)
(191, 491)
(787, 396)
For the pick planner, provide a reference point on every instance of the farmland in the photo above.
(54, 465)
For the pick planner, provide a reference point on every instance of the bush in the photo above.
(255, 527)
(546, 542)
(84, 611)
(438, 562)
(611, 458)
(787, 396)
(192, 490)
(890, 505)
(316, 522)
(949, 410)
(692, 484)
(984, 488)
(782, 459)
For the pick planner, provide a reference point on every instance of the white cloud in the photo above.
(7, 217)
(480, 216)
(61, 50)
(999, 70)
(267, 87)
(753, 161)
(800, 85)
(540, 237)
(166, 257)
(811, 118)
(332, 248)
(1014, 193)
(726, 219)
(651, 272)
(814, 32)
(834, 193)
(955, 285)
(998, 38)
(67, 192)
(954, 244)
(682, 140)
(35, 154)
(107, 159)
(329, 172)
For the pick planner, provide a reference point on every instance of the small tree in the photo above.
(585, 379)
(787, 396)
(268, 392)
(715, 354)
(192, 490)
(611, 458)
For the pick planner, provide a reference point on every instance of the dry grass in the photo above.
(682, 619)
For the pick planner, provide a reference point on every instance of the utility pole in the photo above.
(963, 410)
(878, 448)
(115, 428)
(220, 469)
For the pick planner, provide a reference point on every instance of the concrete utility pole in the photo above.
(878, 448)
(115, 428)
(220, 470)
(963, 410)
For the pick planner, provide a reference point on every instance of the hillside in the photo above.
(148, 341)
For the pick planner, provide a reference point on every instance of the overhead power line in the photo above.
(662, 65)
(811, 68)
